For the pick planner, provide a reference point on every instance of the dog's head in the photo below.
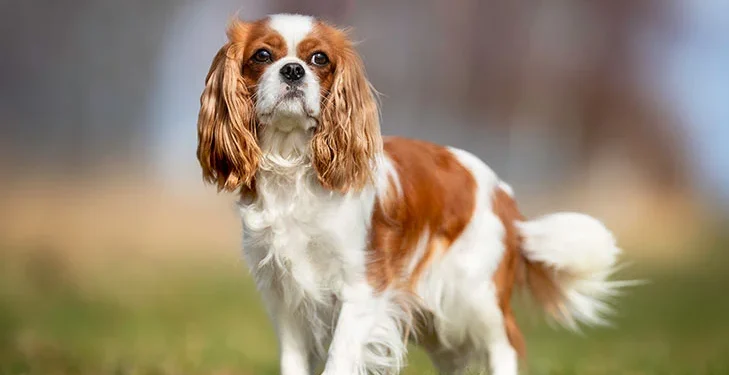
(290, 73)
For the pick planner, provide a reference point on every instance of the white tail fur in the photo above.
(569, 258)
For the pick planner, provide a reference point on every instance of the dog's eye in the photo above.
(262, 56)
(319, 58)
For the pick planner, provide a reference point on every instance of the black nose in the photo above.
(292, 72)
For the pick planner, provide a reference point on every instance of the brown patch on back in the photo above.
(438, 196)
(510, 270)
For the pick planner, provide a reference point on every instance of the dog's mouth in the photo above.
(291, 103)
(292, 94)
(296, 96)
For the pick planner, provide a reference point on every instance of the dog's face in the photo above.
(289, 73)
(293, 71)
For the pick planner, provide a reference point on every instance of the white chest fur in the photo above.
(299, 239)
(302, 244)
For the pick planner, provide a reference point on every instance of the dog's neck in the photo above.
(285, 141)
(286, 156)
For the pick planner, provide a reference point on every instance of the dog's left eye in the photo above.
(319, 58)
(262, 56)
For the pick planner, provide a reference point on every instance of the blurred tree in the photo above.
(76, 79)
(542, 90)
(565, 69)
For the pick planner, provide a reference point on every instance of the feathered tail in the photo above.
(569, 258)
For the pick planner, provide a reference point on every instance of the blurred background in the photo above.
(115, 258)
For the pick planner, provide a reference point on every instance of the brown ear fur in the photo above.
(227, 149)
(348, 137)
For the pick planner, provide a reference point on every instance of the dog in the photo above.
(359, 243)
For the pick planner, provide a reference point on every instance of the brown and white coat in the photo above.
(358, 242)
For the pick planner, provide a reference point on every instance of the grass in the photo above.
(203, 317)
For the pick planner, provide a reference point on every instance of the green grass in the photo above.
(205, 318)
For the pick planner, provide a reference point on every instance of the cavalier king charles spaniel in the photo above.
(359, 243)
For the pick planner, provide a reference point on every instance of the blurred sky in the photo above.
(693, 75)
(697, 72)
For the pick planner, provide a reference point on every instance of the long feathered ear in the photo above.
(348, 137)
(227, 148)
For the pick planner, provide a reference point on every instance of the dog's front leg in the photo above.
(294, 346)
(356, 320)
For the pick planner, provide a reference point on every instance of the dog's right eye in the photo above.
(262, 56)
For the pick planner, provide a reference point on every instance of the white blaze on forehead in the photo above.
(293, 28)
